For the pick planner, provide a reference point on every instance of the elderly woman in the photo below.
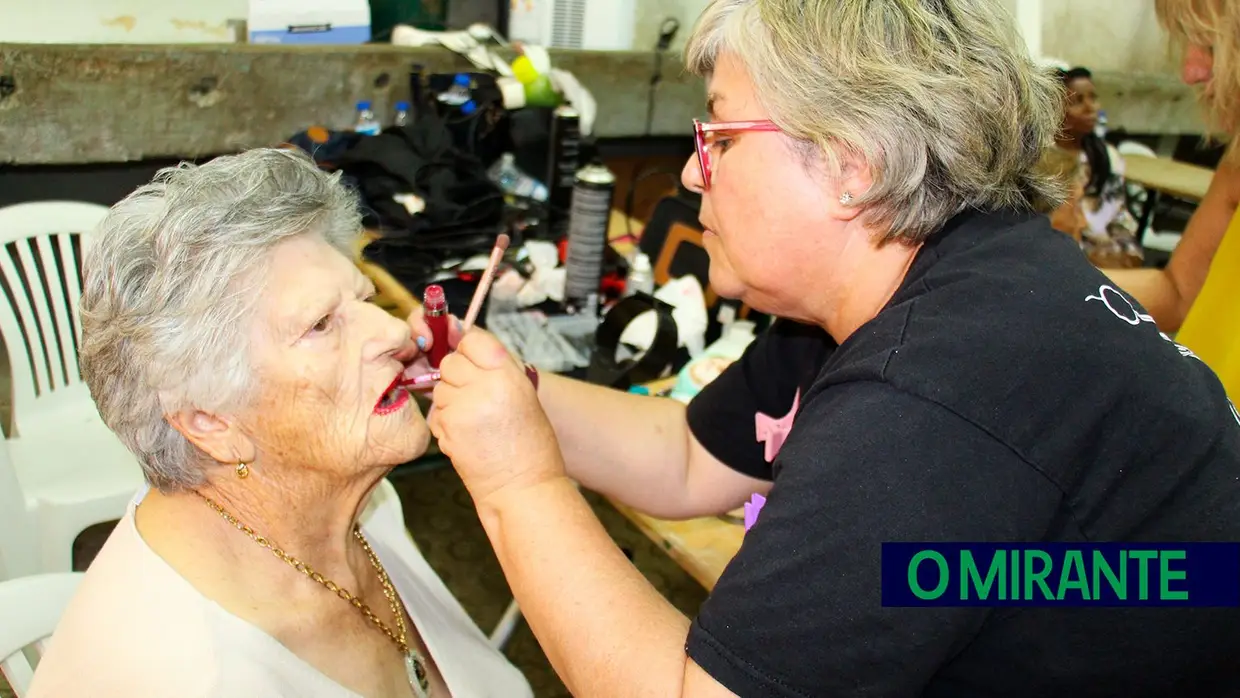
(229, 341)
(943, 370)
(1196, 294)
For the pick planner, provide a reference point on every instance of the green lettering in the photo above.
(1143, 579)
(1167, 575)
(1118, 584)
(944, 575)
(969, 575)
(1073, 564)
(1038, 577)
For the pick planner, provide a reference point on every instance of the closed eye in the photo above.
(322, 325)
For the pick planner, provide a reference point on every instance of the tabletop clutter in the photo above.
(505, 149)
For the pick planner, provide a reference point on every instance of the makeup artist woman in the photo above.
(228, 340)
(946, 372)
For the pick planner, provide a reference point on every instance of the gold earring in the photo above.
(243, 471)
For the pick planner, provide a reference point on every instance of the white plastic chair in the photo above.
(71, 470)
(30, 608)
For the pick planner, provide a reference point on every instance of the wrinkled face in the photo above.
(325, 362)
(1081, 110)
(765, 212)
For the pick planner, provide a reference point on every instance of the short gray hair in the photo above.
(939, 97)
(171, 279)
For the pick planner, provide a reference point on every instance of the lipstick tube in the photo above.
(435, 310)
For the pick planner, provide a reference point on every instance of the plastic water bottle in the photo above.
(402, 114)
(459, 93)
(367, 124)
(1101, 129)
(513, 181)
(641, 276)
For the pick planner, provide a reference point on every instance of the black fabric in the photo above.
(464, 209)
(983, 403)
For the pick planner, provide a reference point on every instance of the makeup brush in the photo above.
(484, 286)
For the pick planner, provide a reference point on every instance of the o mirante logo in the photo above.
(1061, 574)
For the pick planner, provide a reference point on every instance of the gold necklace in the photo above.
(415, 664)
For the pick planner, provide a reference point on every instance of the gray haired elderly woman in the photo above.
(230, 342)
(943, 369)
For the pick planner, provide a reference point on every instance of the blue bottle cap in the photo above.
(462, 79)
(402, 106)
(363, 105)
(469, 107)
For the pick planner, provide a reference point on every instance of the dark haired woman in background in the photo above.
(1110, 241)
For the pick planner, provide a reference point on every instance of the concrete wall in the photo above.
(650, 16)
(1106, 35)
(119, 21)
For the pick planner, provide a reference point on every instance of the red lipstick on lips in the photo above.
(392, 399)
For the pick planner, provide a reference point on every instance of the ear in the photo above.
(854, 179)
(215, 435)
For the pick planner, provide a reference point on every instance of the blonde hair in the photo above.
(941, 99)
(1214, 24)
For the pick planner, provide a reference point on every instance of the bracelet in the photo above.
(531, 372)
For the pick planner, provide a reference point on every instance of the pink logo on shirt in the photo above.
(773, 431)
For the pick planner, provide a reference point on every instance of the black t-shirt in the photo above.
(1006, 393)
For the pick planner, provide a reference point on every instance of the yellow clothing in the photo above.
(1212, 328)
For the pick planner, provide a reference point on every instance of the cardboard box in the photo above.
(309, 21)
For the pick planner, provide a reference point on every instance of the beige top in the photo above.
(137, 628)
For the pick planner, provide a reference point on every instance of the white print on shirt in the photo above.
(1122, 308)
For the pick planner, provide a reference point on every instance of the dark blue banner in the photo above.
(1061, 574)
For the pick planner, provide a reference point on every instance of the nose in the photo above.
(385, 335)
(691, 175)
(1198, 65)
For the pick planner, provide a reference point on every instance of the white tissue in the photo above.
(688, 301)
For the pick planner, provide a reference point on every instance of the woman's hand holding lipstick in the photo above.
(419, 374)
(424, 332)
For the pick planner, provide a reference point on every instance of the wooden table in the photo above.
(1164, 176)
(702, 547)
(1168, 176)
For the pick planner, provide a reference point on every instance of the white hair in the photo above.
(939, 97)
(170, 282)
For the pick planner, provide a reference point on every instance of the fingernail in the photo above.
(421, 342)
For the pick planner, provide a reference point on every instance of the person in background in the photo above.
(1110, 240)
(1197, 295)
(942, 369)
(228, 340)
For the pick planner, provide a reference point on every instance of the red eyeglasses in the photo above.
(700, 130)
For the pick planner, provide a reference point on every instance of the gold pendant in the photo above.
(419, 681)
